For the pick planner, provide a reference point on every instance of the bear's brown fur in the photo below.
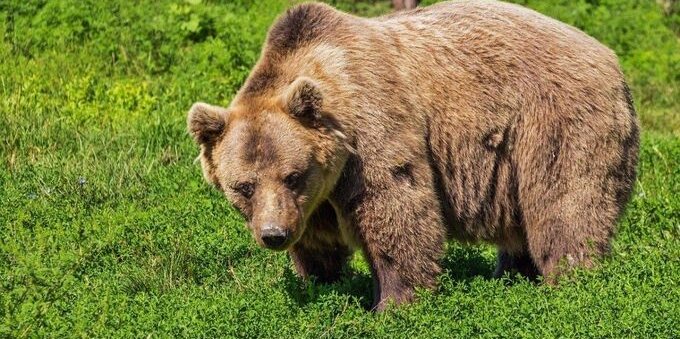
(479, 121)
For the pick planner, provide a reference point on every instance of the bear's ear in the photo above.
(206, 122)
(303, 99)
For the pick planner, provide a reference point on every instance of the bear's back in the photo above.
(474, 27)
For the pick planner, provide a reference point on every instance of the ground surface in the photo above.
(107, 228)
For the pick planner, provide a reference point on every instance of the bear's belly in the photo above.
(477, 188)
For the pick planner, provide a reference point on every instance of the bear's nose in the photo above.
(273, 237)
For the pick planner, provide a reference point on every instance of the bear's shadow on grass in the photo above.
(462, 264)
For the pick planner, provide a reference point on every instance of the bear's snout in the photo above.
(276, 219)
(273, 236)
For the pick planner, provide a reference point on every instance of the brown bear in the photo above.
(478, 121)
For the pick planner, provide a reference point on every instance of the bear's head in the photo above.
(276, 158)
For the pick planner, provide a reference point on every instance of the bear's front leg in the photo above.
(402, 234)
(325, 264)
(321, 253)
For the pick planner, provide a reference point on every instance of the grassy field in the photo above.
(108, 230)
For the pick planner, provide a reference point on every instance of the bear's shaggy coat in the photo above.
(478, 121)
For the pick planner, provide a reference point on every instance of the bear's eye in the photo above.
(246, 189)
(293, 180)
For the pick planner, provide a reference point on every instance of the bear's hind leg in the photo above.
(574, 182)
(558, 243)
(515, 263)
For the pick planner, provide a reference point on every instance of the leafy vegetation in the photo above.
(107, 229)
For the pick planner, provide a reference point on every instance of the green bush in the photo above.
(637, 31)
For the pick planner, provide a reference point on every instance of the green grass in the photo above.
(107, 228)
